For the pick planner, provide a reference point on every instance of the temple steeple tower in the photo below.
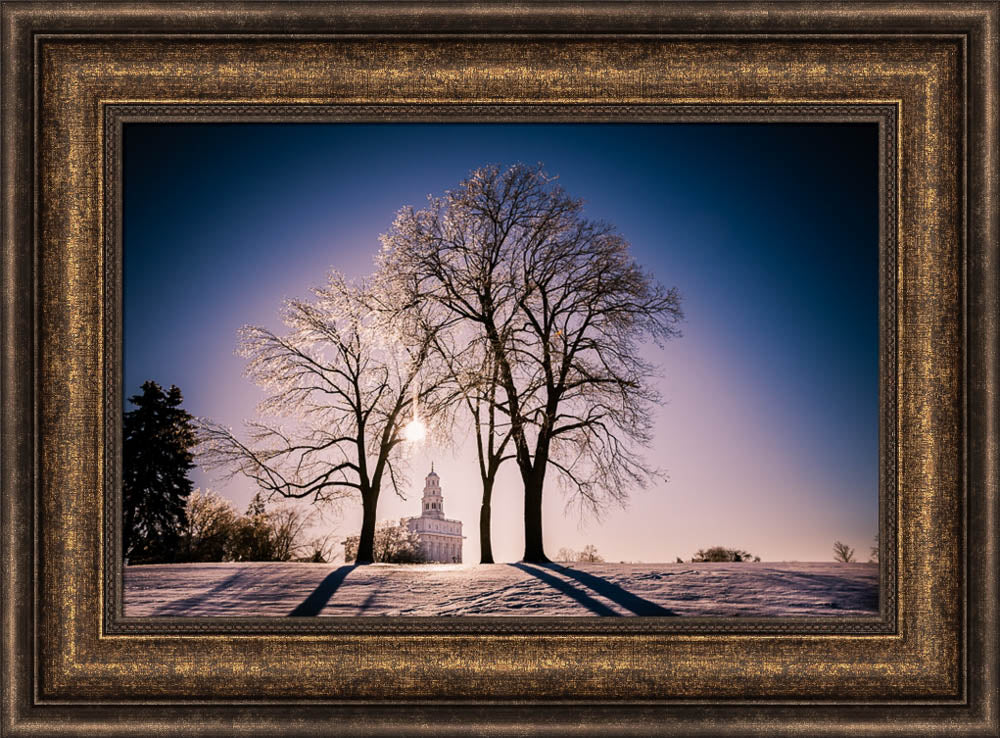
(433, 500)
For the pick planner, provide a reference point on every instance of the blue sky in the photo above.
(769, 232)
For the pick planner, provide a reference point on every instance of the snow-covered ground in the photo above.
(276, 589)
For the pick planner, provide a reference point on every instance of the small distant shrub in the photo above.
(843, 553)
(720, 553)
(317, 557)
(873, 555)
(318, 550)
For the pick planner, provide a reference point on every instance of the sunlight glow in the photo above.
(415, 431)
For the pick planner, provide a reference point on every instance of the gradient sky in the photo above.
(769, 231)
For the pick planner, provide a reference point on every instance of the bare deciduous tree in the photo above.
(562, 308)
(210, 522)
(473, 372)
(566, 554)
(469, 373)
(589, 554)
(843, 553)
(347, 378)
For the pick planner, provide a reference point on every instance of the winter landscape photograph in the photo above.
(548, 369)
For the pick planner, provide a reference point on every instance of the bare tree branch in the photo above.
(557, 305)
(345, 375)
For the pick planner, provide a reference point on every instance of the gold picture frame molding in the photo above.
(65, 65)
(77, 82)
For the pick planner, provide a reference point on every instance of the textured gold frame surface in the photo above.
(70, 664)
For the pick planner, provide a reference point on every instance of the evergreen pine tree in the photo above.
(158, 438)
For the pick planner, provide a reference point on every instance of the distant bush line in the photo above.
(214, 531)
(720, 553)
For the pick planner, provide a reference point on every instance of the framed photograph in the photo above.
(395, 368)
(454, 406)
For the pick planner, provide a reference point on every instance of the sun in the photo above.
(415, 431)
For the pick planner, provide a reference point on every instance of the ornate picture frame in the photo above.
(73, 74)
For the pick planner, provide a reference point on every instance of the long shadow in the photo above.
(369, 600)
(595, 606)
(315, 602)
(613, 592)
(839, 587)
(180, 607)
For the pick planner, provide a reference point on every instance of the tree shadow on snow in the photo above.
(185, 604)
(575, 593)
(846, 592)
(315, 602)
(617, 594)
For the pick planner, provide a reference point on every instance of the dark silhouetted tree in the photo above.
(843, 553)
(473, 384)
(562, 308)
(348, 376)
(158, 441)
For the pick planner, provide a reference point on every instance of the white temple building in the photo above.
(440, 538)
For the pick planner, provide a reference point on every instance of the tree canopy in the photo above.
(342, 383)
(561, 306)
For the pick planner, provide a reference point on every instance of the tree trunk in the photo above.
(534, 552)
(366, 542)
(485, 541)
